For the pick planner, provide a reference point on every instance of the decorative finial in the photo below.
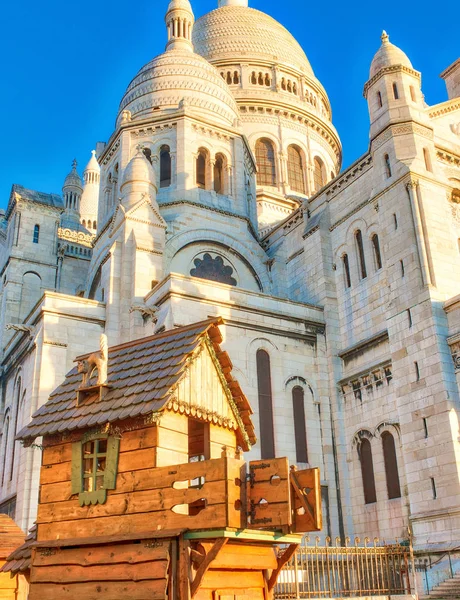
(140, 148)
(74, 164)
(93, 152)
(385, 37)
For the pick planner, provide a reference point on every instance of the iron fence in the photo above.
(333, 570)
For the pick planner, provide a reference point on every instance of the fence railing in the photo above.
(332, 570)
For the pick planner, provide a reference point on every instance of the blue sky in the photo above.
(66, 65)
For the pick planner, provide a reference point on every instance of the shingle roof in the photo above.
(19, 560)
(142, 376)
(11, 536)
(33, 196)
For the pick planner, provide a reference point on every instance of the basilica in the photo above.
(220, 194)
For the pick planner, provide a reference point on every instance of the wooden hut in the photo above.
(144, 492)
(13, 585)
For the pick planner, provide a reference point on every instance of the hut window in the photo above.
(198, 441)
(36, 234)
(300, 430)
(346, 270)
(295, 170)
(165, 167)
(391, 465)
(265, 157)
(264, 384)
(94, 468)
(377, 254)
(362, 260)
(367, 472)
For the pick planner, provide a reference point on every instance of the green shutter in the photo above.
(77, 468)
(110, 475)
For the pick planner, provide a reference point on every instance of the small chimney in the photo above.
(452, 78)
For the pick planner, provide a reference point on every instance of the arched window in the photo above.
(362, 260)
(254, 78)
(264, 384)
(346, 270)
(387, 165)
(377, 255)
(36, 234)
(201, 169)
(94, 225)
(379, 99)
(300, 427)
(219, 174)
(367, 471)
(318, 174)
(17, 403)
(6, 431)
(265, 157)
(295, 170)
(391, 465)
(83, 223)
(165, 167)
(236, 77)
(427, 158)
(395, 91)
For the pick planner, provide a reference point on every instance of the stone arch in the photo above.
(252, 259)
(31, 292)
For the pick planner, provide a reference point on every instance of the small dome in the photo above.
(93, 165)
(179, 77)
(180, 5)
(388, 55)
(238, 32)
(73, 178)
(138, 170)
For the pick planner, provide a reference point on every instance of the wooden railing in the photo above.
(328, 571)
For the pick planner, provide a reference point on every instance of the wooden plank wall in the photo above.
(8, 585)
(237, 572)
(113, 572)
(143, 497)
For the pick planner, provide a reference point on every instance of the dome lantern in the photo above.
(233, 3)
(388, 55)
(179, 23)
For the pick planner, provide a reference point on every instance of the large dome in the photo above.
(243, 32)
(179, 77)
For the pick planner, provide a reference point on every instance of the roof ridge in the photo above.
(163, 334)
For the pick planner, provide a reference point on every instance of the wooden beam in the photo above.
(282, 560)
(184, 569)
(299, 492)
(203, 568)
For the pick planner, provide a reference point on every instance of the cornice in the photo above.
(370, 342)
(401, 128)
(389, 70)
(444, 108)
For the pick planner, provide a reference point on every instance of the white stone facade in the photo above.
(218, 195)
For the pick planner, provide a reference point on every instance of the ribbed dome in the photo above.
(388, 55)
(73, 178)
(240, 32)
(175, 77)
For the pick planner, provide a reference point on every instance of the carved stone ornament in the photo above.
(213, 269)
(95, 361)
(455, 349)
(455, 127)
